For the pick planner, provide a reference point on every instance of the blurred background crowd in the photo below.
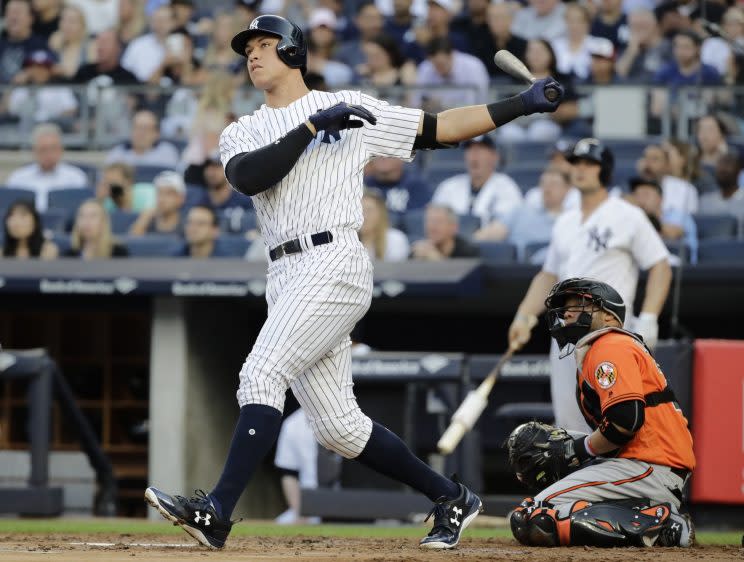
(143, 89)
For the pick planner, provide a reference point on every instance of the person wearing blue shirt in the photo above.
(687, 69)
(403, 188)
(201, 232)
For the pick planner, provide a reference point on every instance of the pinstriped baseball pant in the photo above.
(315, 298)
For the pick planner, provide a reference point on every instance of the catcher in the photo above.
(622, 484)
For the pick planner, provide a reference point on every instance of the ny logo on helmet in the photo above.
(254, 24)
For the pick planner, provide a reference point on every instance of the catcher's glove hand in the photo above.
(541, 454)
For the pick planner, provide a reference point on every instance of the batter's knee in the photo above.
(260, 384)
(346, 434)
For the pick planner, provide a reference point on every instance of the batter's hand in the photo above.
(534, 98)
(520, 330)
(338, 117)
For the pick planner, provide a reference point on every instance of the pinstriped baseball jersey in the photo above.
(324, 189)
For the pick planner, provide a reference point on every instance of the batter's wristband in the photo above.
(506, 110)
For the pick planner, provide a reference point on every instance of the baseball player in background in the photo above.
(609, 239)
(620, 485)
(301, 157)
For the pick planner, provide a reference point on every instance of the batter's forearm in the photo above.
(533, 302)
(462, 123)
(657, 287)
(258, 170)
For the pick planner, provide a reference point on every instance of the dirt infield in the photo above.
(104, 548)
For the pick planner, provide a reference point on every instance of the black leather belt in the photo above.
(294, 246)
(681, 472)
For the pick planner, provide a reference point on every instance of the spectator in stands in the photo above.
(383, 243)
(321, 47)
(674, 224)
(146, 53)
(572, 49)
(184, 12)
(384, 65)
(602, 69)
(541, 19)
(710, 133)
(442, 241)
(144, 147)
(399, 25)
(500, 17)
(71, 43)
(222, 197)
(369, 22)
(23, 237)
(646, 51)
(684, 162)
(48, 172)
(402, 186)
(201, 231)
(118, 192)
(482, 191)
(100, 14)
(677, 193)
(179, 66)
(46, 17)
(729, 199)
(672, 17)
(17, 42)
(108, 54)
(439, 16)
(687, 69)
(540, 60)
(45, 102)
(219, 55)
(91, 236)
(611, 23)
(165, 217)
(472, 23)
(529, 224)
(445, 66)
(716, 50)
(131, 21)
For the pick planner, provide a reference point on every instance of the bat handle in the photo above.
(552, 93)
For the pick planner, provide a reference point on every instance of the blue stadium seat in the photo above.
(233, 246)
(152, 246)
(396, 220)
(468, 225)
(195, 195)
(434, 175)
(498, 252)
(534, 252)
(91, 170)
(629, 149)
(525, 177)
(62, 241)
(529, 152)
(55, 220)
(69, 199)
(146, 173)
(716, 226)
(9, 195)
(413, 224)
(122, 220)
(721, 251)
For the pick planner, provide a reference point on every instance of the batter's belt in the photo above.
(295, 247)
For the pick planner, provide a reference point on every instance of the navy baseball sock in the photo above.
(255, 433)
(386, 453)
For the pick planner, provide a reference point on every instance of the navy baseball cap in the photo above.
(638, 181)
(485, 140)
(40, 57)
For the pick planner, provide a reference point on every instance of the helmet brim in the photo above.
(240, 41)
(573, 158)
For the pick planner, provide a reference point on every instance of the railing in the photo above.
(104, 111)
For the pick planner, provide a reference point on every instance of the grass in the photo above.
(260, 528)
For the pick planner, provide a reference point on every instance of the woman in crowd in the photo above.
(23, 235)
(71, 42)
(91, 236)
(382, 242)
(385, 65)
(572, 50)
(710, 134)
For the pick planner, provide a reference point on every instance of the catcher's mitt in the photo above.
(541, 454)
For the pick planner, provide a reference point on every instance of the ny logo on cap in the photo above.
(584, 146)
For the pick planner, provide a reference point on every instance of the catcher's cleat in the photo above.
(678, 531)
(451, 517)
(196, 515)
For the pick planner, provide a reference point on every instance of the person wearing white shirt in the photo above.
(145, 147)
(145, 54)
(540, 19)
(99, 14)
(48, 172)
(482, 191)
(607, 239)
(572, 51)
(678, 194)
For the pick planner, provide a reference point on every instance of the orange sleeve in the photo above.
(613, 371)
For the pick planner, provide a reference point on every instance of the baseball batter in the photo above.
(300, 156)
(622, 484)
(609, 239)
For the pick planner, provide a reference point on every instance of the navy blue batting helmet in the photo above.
(594, 150)
(292, 49)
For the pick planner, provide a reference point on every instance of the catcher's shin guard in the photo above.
(604, 524)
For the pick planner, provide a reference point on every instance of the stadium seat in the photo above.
(91, 170)
(629, 149)
(146, 173)
(525, 177)
(233, 246)
(498, 252)
(121, 221)
(413, 224)
(721, 252)
(69, 199)
(534, 252)
(62, 241)
(9, 195)
(55, 220)
(436, 174)
(152, 246)
(469, 224)
(522, 152)
(716, 226)
(195, 195)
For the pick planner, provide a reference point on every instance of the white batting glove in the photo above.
(647, 325)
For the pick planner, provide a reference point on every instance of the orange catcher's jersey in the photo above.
(617, 367)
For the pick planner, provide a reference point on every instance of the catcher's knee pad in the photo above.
(633, 522)
(534, 525)
(346, 434)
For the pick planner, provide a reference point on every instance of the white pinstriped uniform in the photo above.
(316, 297)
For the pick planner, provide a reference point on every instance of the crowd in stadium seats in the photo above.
(162, 190)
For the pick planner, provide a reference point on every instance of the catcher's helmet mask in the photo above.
(591, 293)
(292, 48)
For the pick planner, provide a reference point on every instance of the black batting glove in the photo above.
(338, 117)
(534, 99)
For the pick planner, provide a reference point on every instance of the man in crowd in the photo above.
(165, 217)
(17, 42)
(646, 50)
(146, 53)
(107, 64)
(541, 19)
(144, 146)
(678, 193)
(442, 242)
(729, 199)
(117, 190)
(201, 232)
(402, 186)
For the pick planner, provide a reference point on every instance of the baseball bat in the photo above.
(510, 64)
(471, 408)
